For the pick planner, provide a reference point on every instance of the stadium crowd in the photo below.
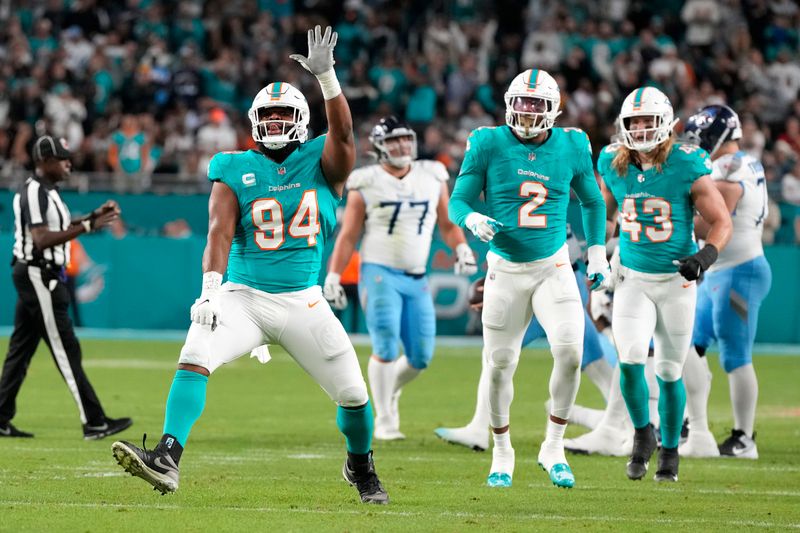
(149, 86)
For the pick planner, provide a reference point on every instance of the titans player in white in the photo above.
(526, 170)
(270, 212)
(655, 184)
(732, 290)
(396, 203)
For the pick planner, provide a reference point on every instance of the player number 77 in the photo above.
(396, 213)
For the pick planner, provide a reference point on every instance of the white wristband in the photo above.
(596, 253)
(211, 281)
(333, 277)
(329, 84)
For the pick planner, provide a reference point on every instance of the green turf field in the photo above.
(266, 455)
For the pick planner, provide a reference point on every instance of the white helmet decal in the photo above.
(539, 87)
(279, 94)
(646, 102)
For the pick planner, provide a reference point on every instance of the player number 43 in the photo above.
(661, 211)
(268, 218)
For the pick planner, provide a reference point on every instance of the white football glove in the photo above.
(320, 51)
(206, 309)
(465, 261)
(334, 292)
(482, 226)
(598, 271)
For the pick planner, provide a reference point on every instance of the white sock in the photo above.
(616, 413)
(697, 379)
(600, 373)
(555, 433)
(652, 387)
(502, 453)
(744, 396)
(480, 419)
(403, 373)
(381, 381)
(565, 378)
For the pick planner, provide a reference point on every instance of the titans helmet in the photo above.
(713, 126)
(390, 127)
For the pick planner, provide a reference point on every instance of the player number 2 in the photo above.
(539, 193)
(649, 206)
(268, 218)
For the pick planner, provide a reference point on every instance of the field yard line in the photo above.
(444, 514)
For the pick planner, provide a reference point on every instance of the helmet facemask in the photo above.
(275, 133)
(398, 148)
(645, 139)
(529, 115)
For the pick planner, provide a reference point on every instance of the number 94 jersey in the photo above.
(655, 208)
(400, 213)
(286, 212)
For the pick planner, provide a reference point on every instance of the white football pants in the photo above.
(301, 321)
(659, 307)
(513, 293)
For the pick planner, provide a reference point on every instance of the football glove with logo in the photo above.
(465, 261)
(334, 292)
(598, 270)
(206, 309)
(482, 226)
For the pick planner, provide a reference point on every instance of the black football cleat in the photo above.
(159, 467)
(360, 473)
(644, 444)
(8, 430)
(668, 460)
(109, 426)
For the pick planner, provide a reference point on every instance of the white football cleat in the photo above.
(603, 440)
(476, 439)
(502, 471)
(553, 461)
(699, 444)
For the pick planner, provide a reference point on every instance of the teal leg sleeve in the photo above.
(671, 402)
(356, 424)
(634, 391)
(185, 403)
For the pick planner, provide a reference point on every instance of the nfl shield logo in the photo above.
(281, 170)
(531, 156)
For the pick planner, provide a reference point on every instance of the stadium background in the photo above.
(146, 91)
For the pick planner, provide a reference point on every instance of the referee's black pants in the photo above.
(42, 313)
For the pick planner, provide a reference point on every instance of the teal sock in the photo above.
(671, 403)
(634, 391)
(356, 424)
(185, 403)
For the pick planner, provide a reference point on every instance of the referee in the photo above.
(42, 231)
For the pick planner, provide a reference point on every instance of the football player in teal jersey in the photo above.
(270, 213)
(656, 184)
(525, 171)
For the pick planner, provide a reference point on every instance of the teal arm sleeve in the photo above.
(593, 207)
(469, 183)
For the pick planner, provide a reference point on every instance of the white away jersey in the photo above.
(748, 217)
(400, 214)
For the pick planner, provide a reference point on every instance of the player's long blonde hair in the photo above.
(625, 156)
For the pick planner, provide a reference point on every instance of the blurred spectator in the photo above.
(216, 135)
(128, 153)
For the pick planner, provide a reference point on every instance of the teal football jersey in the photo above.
(655, 208)
(286, 212)
(527, 188)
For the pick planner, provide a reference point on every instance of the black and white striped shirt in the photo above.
(37, 204)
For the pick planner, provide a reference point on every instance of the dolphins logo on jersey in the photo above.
(646, 102)
(276, 132)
